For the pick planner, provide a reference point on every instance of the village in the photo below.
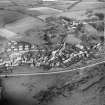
(70, 49)
(26, 55)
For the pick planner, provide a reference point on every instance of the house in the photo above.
(26, 47)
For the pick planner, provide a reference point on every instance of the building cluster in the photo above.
(70, 24)
(14, 52)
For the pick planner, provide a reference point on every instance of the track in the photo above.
(70, 7)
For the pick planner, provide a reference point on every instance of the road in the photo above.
(50, 73)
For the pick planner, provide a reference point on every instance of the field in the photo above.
(82, 83)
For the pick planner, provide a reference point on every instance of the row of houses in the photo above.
(14, 46)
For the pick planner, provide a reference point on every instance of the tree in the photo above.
(100, 15)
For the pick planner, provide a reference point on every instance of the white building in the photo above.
(20, 47)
